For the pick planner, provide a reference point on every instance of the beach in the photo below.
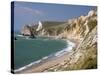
(50, 62)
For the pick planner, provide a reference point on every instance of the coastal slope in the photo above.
(84, 56)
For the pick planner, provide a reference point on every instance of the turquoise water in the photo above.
(30, 50)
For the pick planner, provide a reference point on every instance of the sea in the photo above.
(31, 51)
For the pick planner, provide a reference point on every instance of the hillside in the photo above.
(84, 56)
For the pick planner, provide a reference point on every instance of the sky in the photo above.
(31, 13)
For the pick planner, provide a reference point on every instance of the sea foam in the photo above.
(67, 49)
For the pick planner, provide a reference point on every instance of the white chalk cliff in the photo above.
(39, 26)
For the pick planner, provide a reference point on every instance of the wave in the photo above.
(20, 35)
(45, 57)
(27, 66)
(69, 47)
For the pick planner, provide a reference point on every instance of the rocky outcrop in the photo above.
(15, 38)
(27, 31)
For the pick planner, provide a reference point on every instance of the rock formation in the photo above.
(39, 26)
(27, 31)
(15, 38)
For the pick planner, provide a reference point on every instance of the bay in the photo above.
(30, 50)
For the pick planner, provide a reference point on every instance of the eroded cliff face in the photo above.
(78, 28)
(27, 31)
(75, 28)
(84, 56)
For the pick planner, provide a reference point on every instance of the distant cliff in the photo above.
(75, 27)
(27, 31)
(49, 28)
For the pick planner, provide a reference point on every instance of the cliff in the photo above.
(49, 28)
(83, 30)
(78, 28)
(84, 56)
(75, 27)
(27, 31)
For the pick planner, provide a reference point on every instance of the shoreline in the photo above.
(47, 62)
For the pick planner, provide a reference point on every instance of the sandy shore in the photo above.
(51, 62)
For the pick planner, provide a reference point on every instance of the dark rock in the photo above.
(15, 38)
